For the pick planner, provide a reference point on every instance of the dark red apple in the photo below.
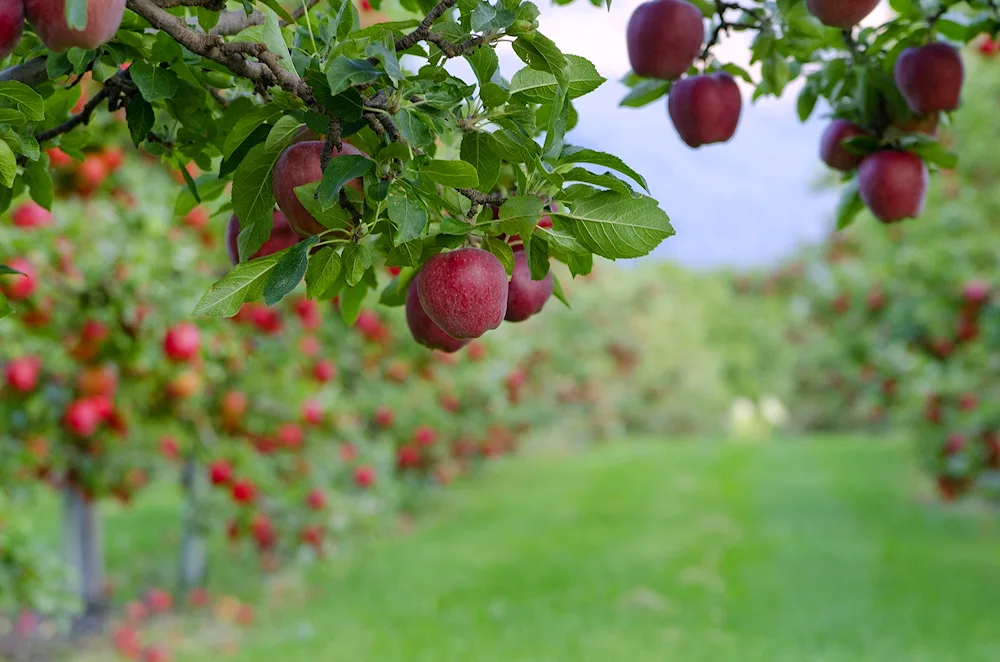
(525, 296)
(464, 292)
(831, 146)
(893, 184)
(424, 330)
(48, 17)
(930, 78)
(705, 109)
(297, 166)
(841, 14)
(11, 25)
(664, 38)
(282, 236)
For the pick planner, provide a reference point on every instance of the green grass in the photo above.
(648, 551)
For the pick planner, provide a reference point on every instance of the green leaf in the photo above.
(324, 268)
(154, 83)
(39, 181)
(481, 152)
(615, 226)
(28, 101)
(607, 180)
(806, 102)
(331, 216)
(850, 205)
(246, 125)
(76, 14)
(274, 40)
(340, 171)
(532, 86)
(141, 118)
(342, 72)
(492, 94)
(5, 309)
(515, 147)
(558, 292)
(245, 282)
(282, 134)
(484, 63)
(503, 251)
(520, 214)
(390, 62)
(288, 272)
(253, 199)
(357, 258)
(352, 300)
(407, 211)
(457, 174)
(8, 165)
(486, 17)
(645, 93)
(542, 54)
(7, 271)
(573, 154)
(279, 10)
(414, 127)
(12, 117)
(536, 249)
(555, 132)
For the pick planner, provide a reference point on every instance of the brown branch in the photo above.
(31, 73)
(424, 29)
(456, 50)
(480, 198)
(232, 22)
(213, 5)
(331, 143)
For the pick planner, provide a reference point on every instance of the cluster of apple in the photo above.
(48, 18)
(666, 37)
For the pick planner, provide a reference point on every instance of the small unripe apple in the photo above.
(464, 292)
(48, 17)
(705, 109)
(841, 14)
(664, 38)
(525, 296)
(831, 146)
(930, 78)
(893, 184)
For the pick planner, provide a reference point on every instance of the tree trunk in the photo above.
(193, 546)
(84, 550)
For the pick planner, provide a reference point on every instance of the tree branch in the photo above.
(214, 5)
(424, 29)
(231, 22)
(480, 198)
(31, 73)
(456, 50)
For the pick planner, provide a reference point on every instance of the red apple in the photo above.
(424, 330)
(930, 78)
(525, 296)
(297, 166)
(831, 146)
(312, 412)
(17, 287)
(83, 417)
(182, 342)
(893, 184)
(220, 472)
(243, 491)
(31, 214)
(408, 457)
(48, 17)
(316, 499)
(11, 25)
(664, 38)
(22, 373)
(424, 435)
(841, 14)
(282, 237)
(384, 417)
(364, 476)
(705, 109)
(464, 292)
(324, 371)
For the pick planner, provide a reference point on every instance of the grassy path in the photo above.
(813, 552)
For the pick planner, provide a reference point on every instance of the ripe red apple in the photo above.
(30, 214)
(930, 78)
(424, 330)
(263, 531)
(48, 17)
(464, 292)
(384, 417)
(83, 417)
(197, 217)
(169, 448)
(705, 109)
(841, 14)
(282, 237)
(831, 146)
(98, 380)
(364, 476)
(159, 601)
(324, 371)
(297, 166)
(308, 313)
(182, 342)
(156, 654)
(976, 293)
(291, 436)
(348, 452)
(16, 287)
(525, 296)
(243, 491)
(11, 25)
(408, 457)
(664, 38)
(316, 499)
(312, 535)
(893, 184)
(220, 472)
(22, 373)
(312, 412)
(424, 435)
